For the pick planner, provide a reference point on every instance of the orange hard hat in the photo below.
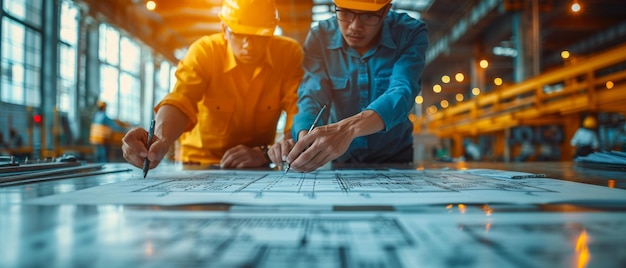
(590, 122)
(255, 17)
(101, 104)
(366, 5)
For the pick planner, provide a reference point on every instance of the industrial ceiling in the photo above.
(460, 31)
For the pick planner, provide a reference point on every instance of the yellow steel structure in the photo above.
(555, 97)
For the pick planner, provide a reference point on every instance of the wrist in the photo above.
(264, 149)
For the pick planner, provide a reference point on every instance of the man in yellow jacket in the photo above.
(231, 88)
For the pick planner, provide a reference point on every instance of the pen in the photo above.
(317, 118)
(146, 162)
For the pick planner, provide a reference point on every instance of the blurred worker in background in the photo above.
(366, 65)
(619, 140)
(15, 139)
(585, 139)
(2, 142)
(102, 129)
(231, 88)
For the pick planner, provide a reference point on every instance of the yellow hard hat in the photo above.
(590, 122)
(255, 17)
(366, 5)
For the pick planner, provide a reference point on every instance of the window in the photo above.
(120, 84)
(21, 64)
(68, 40)
(27, 11)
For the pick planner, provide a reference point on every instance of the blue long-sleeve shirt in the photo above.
(386, 79)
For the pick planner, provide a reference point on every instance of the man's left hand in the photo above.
(242, 156)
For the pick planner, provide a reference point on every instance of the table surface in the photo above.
(113, 235)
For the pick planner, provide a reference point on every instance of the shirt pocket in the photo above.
(266, 114)
(218, 116)
(339, 83)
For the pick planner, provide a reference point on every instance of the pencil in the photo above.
(317, 119)
(146, 161)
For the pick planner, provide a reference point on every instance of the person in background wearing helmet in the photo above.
(585, 139)
(366, 65)
(101, 131)
(231, 89)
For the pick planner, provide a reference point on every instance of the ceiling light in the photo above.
(150, 5)
(576, 7)
(459, 77)
(484, 64)
(475, 91)
(609, 84)
(497, 81)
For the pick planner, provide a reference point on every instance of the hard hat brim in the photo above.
(252, 30)
(358, 5)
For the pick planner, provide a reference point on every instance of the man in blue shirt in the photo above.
(366, 65)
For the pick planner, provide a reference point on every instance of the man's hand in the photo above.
(318, 147)
(279, 151)
(242, 156)
(135, 149)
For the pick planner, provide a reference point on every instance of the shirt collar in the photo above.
(231, 63)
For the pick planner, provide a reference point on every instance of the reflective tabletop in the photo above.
(441, 233)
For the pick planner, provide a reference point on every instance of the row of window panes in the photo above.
(28, 11)
(21, 64)
(21, 61)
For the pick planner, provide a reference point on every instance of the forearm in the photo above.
(362, 124)
(170, 123)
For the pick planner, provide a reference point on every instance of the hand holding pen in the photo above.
(146, 161)
(317, 119)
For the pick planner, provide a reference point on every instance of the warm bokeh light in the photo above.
(576, 7)
(149, 249)
(475, 91)
(445, 79)
(565, 54)
(459, 97)
(582, 250)
(462, 208)
(412, 117)
(150, 5)
(488, 210)
(497, 81)
(444, 104)
(611, 184)
(484, 64)
(419, 99)
(436, 88)
(459, 77)
(432, 109)
(609, 84)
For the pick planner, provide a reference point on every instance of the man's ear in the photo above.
(386, 11)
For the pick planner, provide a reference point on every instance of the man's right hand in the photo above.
(135, 149)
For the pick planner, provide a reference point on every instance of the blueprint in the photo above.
(126, 238)
(337, 187)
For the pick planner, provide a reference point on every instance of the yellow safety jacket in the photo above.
(225, 109)
(100, 134)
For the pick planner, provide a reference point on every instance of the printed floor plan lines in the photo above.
(340, 187)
